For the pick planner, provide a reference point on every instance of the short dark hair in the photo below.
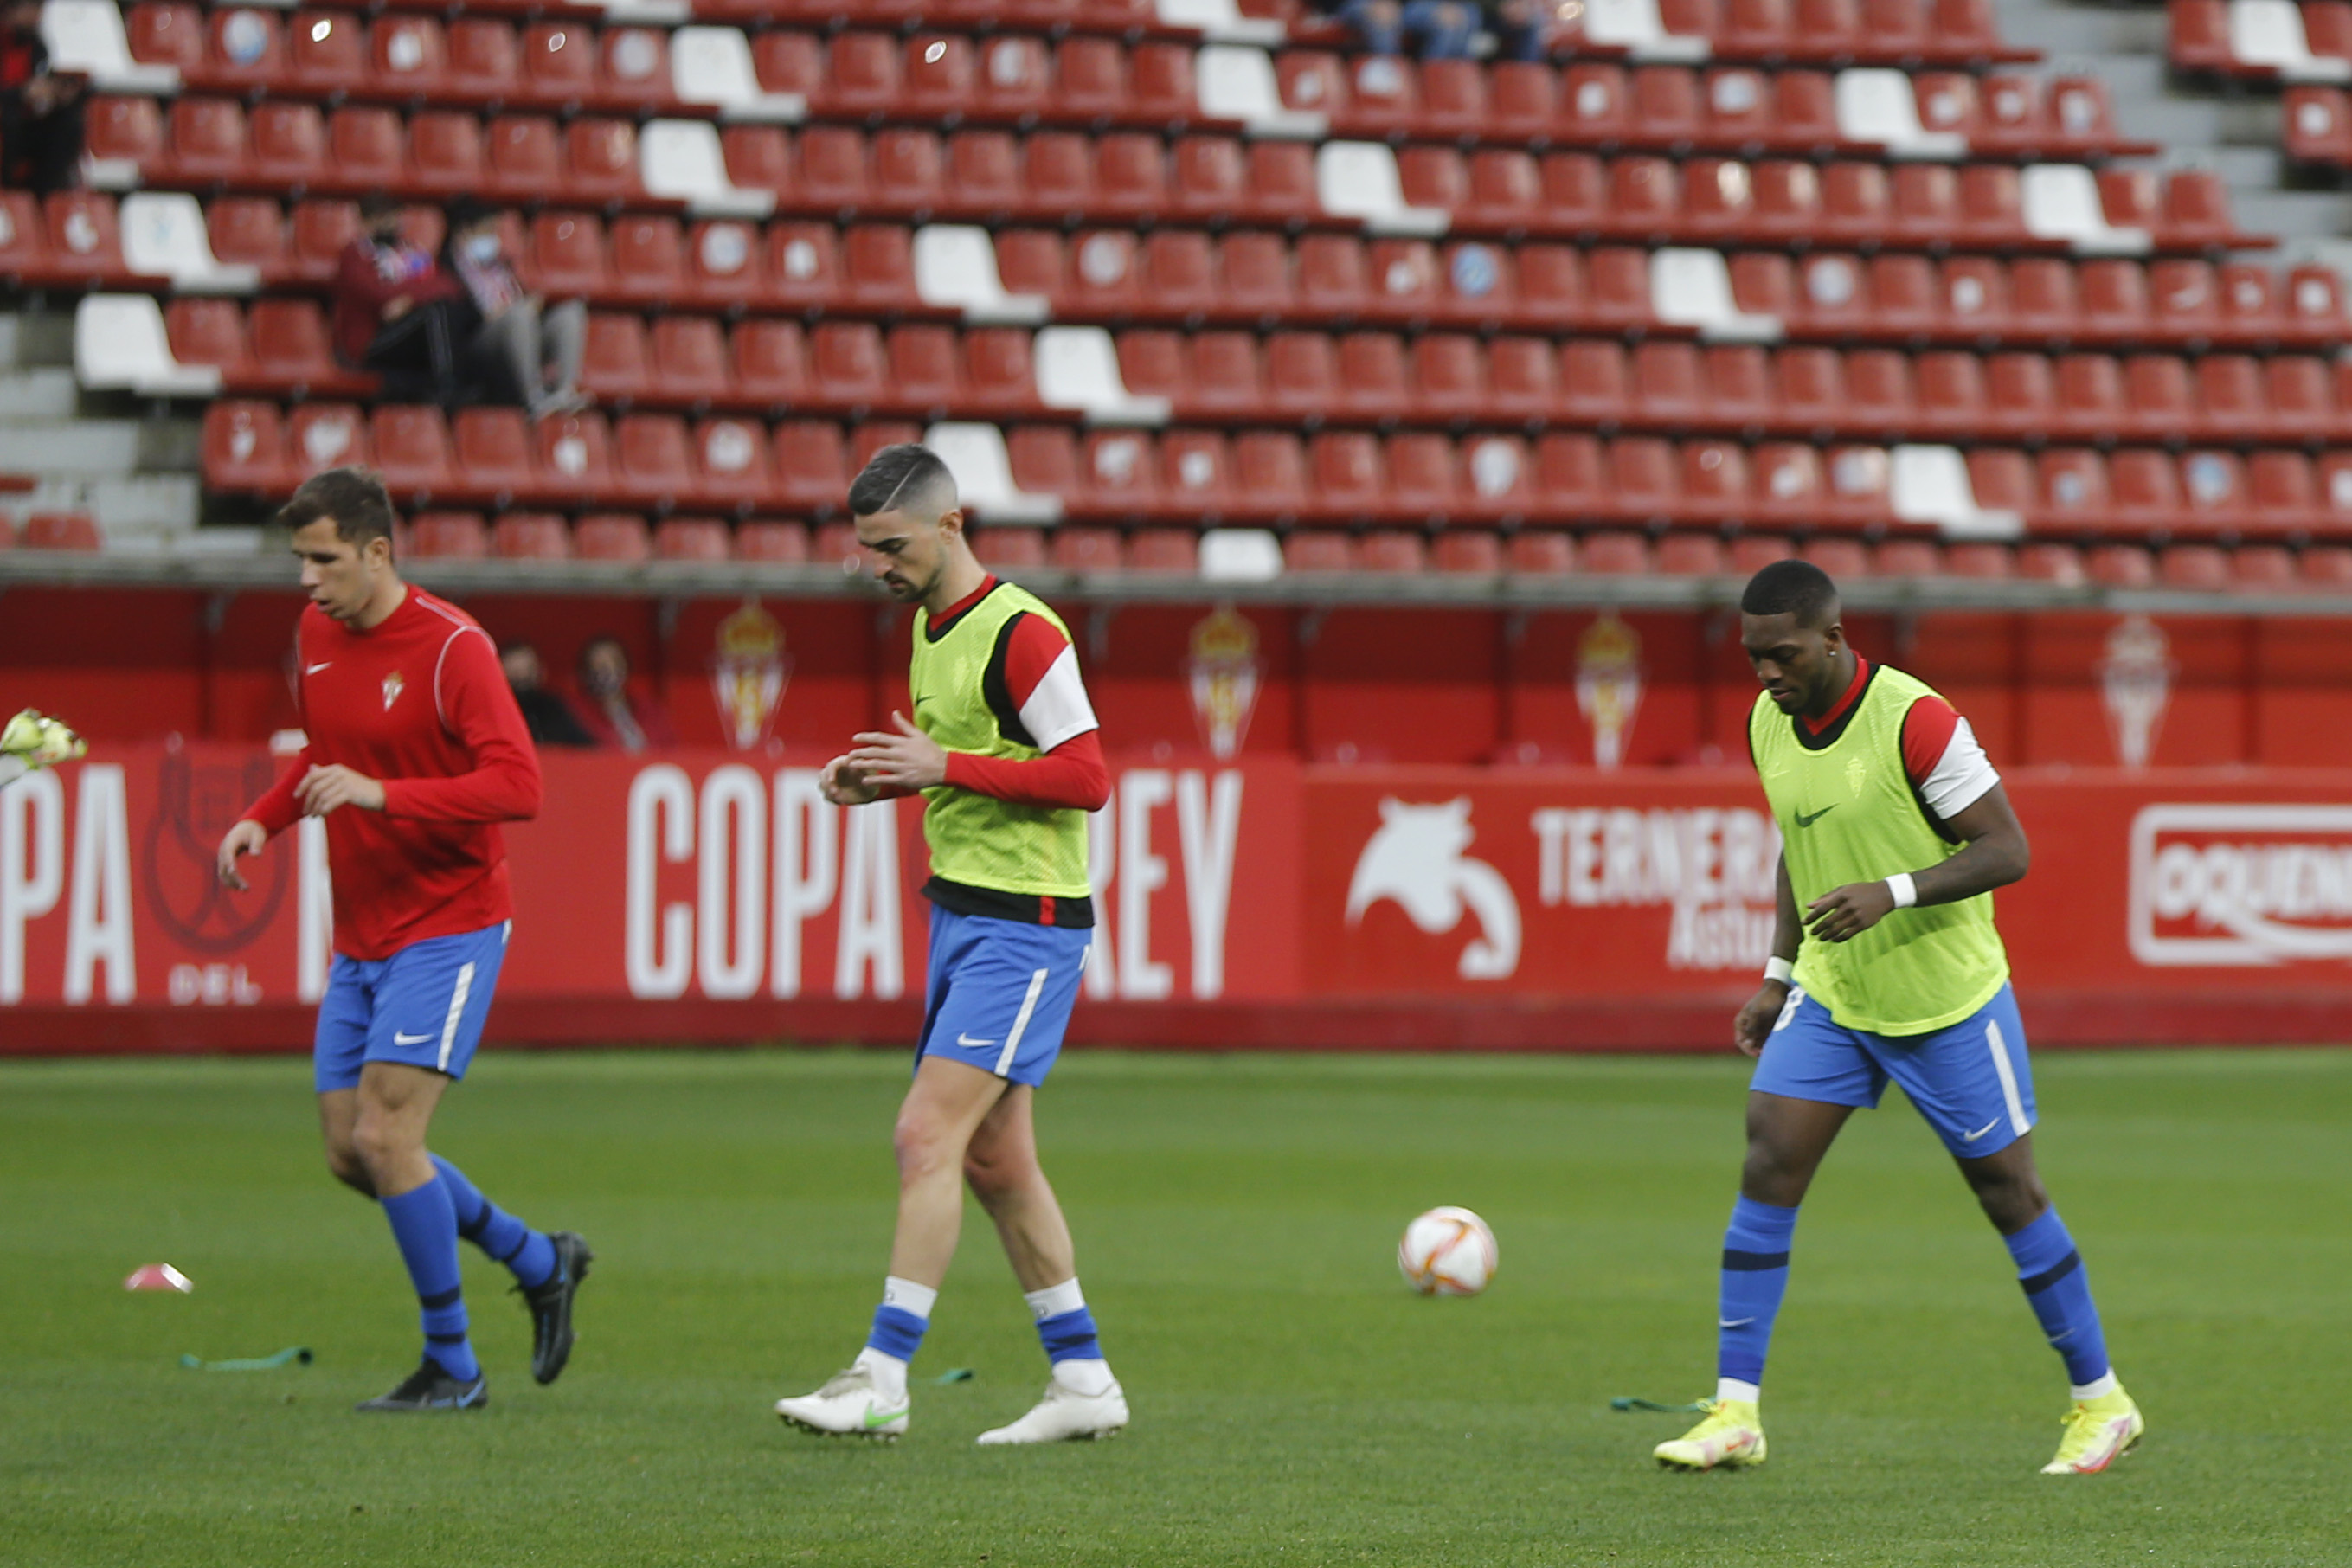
(904, 471)
(1792, 587)
(353, 499)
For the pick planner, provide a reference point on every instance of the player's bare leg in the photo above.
(1001, 1165)
(1787, 1140)
(2009, 1186)
(339, 1113)
(942, 1111)
(937, 1120)
(395, 1109)
(1082, 1399)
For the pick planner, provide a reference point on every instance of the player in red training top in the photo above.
(416, 753)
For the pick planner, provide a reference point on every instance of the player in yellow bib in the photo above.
(1003, 749)
(1894, 832)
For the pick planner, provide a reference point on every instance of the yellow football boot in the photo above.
(2098, 1432)
(37, 742)
(1731, 1436)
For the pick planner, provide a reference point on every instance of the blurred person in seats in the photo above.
(393, 310)
(545, 714)
(522, 350)
(611, 712)
(41, 109)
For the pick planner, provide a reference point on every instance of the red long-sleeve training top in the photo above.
(418, 701)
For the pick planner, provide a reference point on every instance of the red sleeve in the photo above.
(1029, 653)
(278, 810)
(478, 707)
(1928, 731)
(1072, 775)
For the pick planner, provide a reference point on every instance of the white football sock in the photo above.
(2098, 1388)
(1090, 1378)
(909, 1297)
(1728, 1388)
(1055, 1300)
(888, 1372)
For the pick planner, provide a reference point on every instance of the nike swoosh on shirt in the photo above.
(1972, 1137)
(968, 1040)
(315, 669)
(400, 1039)
(1733, 1322)
(1803, 820)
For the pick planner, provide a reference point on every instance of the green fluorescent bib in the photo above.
(977, 839)
(1848, 814)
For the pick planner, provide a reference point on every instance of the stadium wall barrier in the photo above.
(1401, 685)
(701, 897)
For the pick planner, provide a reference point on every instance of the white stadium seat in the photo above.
(713, 65)
(1360, 180)
(955, 266)
(680, 160)
(120, 345)
(163, 236)
(984, 471)
(1078, 368)
(1930, 484)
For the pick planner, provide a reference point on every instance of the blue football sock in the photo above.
(425, 1225)
(529, 1254)
(1755, 1276)
(2058, 1288)
(896, 1332)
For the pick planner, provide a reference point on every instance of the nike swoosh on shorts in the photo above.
(968, 1040)
(400, 1039)
(1972, 1137)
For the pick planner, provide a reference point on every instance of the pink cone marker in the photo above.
(159, 1276)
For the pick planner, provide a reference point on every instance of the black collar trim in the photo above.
(1830, 737)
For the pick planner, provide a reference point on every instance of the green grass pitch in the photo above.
(1236, 1221)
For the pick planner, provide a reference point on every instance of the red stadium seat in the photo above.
(249, 231)
(320, 436)
(448, 536)
(1005, 546)
(1302, 376)
(850, 369)
(408, 55)
(731, 464)
(924, 373)
(1015, 76)
(412, 451)
(166, 33)
(291, 350)
(1161, 80)
(366, 149)
(208, 331)
(446, 157)
(566, 255)
(610, 536)
(688, 360)
(559, 64)
(85, 238)
(74, 530)
(531, 536)
(492, 448)
(651, 459)
(647, 259)
(908, 170)
(985, 170)
(1539, 553)
(326, 53)
(803, 264)
(209, 140)
(773, 541)
(1164, 550)
(2050, 562)
(1979, 559)
(1614, 554)
(680, 539)
(1269, 471)
(599, 160)
(483, 60)
(575, 456)
(526, 161)
(812, 465)
(770, 363)
(635, 75)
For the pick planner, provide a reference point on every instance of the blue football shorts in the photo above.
(1970, 1080)
(424, 1006)
(1000, 993)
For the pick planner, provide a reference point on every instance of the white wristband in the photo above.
(1905, 890)
(1779, 969)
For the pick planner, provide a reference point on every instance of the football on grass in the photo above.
(1447, 1252)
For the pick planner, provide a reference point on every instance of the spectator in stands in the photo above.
(523, 349)
(40, 110)
(1447, 30)
(393, 310)
(548, 718)
(610, 711)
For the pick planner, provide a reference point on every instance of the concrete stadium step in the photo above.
(45, 393)
(37, 339)
(99, 448)
(2060, 29)
(126, 506)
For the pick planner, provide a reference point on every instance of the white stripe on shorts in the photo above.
(1999, 1048)
(1020, 1024)
(457, 1015)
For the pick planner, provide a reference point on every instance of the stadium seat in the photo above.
(317, 233)
(412, 451)
(812, 465)
(292, 352)
(366, 149)
(320, 436)
(448, 535)
(482, 60)
(492, 448)
(68, 531)
(445, 154)
(526, 160)
(772, 539)
(617, 537)
(1539, 553)
(531, 536)
(326, 53)
(574, 458)
(651, 461)
(565, 257)
(616, 363)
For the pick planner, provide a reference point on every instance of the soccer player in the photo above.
(1004, 748)
(1894, 830)
(416, 753)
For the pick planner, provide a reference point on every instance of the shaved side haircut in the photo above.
(1792, 587)
(354, 498)
(903, 478)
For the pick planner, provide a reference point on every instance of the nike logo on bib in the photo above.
(1806, 819)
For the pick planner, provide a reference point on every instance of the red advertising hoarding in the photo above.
(706, 896)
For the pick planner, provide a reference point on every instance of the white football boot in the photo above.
(848, 1406)
(1063, 1415)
